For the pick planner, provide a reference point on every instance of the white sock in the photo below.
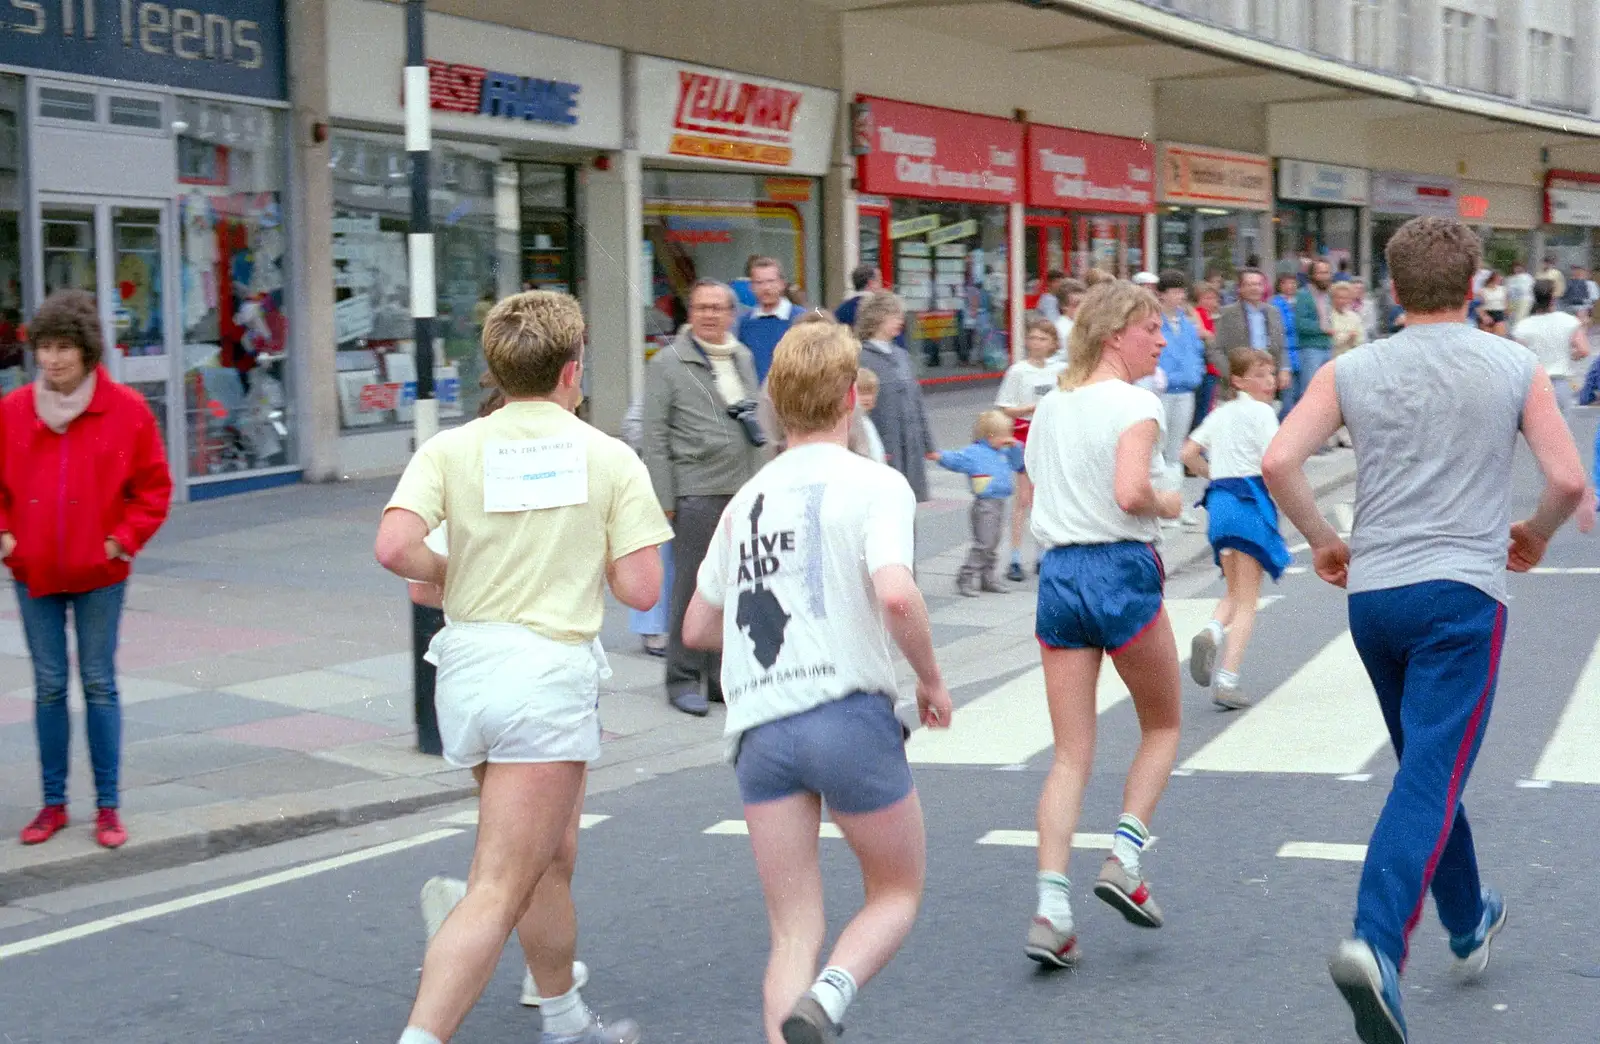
(1218, 634)
(413, 1035)
(834, 989)
(1227, 679)
(1055, 900)
(565, 1016)
(1128, 842)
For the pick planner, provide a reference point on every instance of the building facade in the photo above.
(229, 178)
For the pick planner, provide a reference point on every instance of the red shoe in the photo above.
(45, 825)
(108, 829)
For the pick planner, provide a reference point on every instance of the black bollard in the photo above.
(425, 623)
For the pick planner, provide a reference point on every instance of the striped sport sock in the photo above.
(1055, 900)
(834, 989)
(1128, 842)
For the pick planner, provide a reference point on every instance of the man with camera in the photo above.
(702, 441)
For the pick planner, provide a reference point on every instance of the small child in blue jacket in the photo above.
(989, 463)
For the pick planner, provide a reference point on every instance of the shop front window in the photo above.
(1074, 244)
(475, 264)
(1504, 247)
(233, 246)
(549, 203)
(950, 269)
(12, 373)
(708, 226)
(1306, 232)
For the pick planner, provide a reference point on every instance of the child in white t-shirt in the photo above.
(1026, 382)
(1227, 449)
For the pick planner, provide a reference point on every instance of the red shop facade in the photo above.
(1089, 199)
(937, 189)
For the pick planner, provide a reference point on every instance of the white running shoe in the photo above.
(439, 896)
(530, 989)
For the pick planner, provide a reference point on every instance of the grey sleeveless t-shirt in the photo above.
(1434, 413)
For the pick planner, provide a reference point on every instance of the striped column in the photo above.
(419, 147)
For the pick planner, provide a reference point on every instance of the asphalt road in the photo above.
(675, 933)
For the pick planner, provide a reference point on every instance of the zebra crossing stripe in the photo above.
(1011, 725)
(1323, 850)
(1322, 721)
(739, 828)
(1570, 756)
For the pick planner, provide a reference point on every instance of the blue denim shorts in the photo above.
(850, 751)
(1098, 596)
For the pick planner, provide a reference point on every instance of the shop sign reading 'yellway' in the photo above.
(731, 119)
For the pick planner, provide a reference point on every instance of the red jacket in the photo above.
(61, 496)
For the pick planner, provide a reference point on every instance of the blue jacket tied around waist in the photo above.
(1244, 518)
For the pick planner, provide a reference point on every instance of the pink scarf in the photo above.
(57, 410)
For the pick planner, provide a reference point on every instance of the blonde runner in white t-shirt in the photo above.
(1093, 450)
(1026, 382)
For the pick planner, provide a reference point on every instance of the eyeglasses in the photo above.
(708, 308)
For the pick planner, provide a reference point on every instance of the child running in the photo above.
(807, 580)
(1093, 450)
(1434, 413)
(1026, 382)
(988, 463)
(1227, 449)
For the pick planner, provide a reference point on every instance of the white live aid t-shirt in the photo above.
(1025, 384)
(791, 565)
(1072, 456)
(1235, 436)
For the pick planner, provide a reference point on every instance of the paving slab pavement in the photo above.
(266, 678)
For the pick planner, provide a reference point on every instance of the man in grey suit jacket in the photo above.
(1250, 322)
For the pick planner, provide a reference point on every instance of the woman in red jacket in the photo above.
(83, 486)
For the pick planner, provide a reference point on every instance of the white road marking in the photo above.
(1322, 721)
(1535, 784)
(739, 828)
(1011, 725)
(1571, 755)
(1030, 839)
(1356, 777)
(321, 866)
(1323, 850)
(470, 818)
(1565, 570)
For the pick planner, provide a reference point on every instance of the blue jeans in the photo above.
(1432, 651)
(1311, 360)
(96, 614)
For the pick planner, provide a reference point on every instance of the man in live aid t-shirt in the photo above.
(806, 583)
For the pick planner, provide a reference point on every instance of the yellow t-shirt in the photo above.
(542, 568)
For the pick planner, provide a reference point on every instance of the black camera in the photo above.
(747, 413)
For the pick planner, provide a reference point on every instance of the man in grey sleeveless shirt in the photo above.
(1434, 413)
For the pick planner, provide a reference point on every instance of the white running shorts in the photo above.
(506, 694)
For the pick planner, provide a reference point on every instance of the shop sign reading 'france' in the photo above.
(472, 90)
(227, 46)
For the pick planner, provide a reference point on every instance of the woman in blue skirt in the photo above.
(1227, 449)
